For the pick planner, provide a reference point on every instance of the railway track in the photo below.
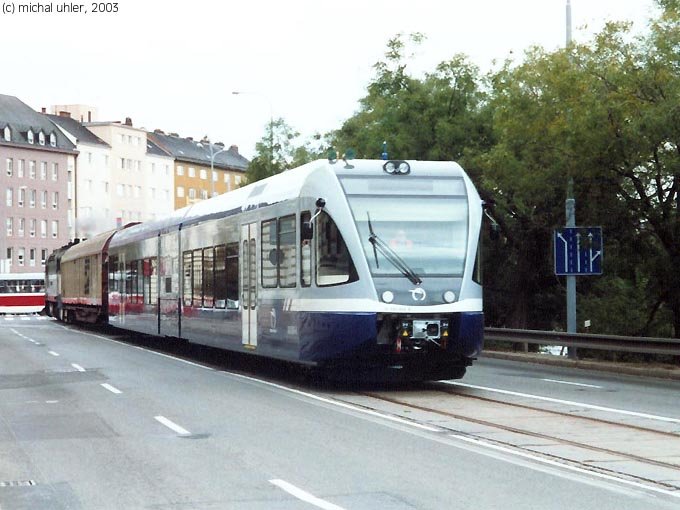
(643, 453)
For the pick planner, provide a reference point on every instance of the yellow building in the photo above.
(195, 178)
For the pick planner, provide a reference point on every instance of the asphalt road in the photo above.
(87, 422)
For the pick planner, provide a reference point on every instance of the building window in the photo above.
(43, 170)
(9, 193)
(10, 256)
(31, 169)
(20, 168)
(43, 228)
(53, 140)
(9, 226)
(192, 171)
(29, 136)
(31, 227)
(138, 165)
(204, 194)
(41, 138)
(120, 190)
(55, 200)
(122, 163)
(180, 170)
(10, 167)
(89, 157)
(138, 191)
(20, 256)
(31, 257)
(22, 197)
(43, 256)
(203, 174)
(180, 191)
(55, 228)
(214, 176)
(55, 171)
(21, 227)
(43, 200)
(153, 168)
(8, 134)
(33, 197)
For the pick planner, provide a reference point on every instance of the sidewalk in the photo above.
(658, 371)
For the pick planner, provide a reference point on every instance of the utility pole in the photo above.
(570, 212)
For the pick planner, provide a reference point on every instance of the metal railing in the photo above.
(615, 343)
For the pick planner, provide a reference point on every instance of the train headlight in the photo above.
(388, 296)
(449, 296)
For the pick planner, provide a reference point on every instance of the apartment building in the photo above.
(195, 178)
(37, 162)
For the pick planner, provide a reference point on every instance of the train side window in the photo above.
(270, 254)
(305, 253)
(208, 277)
(187, 270)
(232, 268)
(334, 265)
(220, 291)
(198, 279)
(287, 252)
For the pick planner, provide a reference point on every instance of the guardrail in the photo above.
(643, 345)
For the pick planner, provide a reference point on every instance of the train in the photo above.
(22, 293)
(358, 265)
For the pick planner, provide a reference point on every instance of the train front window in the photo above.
(423, 221)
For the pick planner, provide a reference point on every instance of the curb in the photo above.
(616, 368)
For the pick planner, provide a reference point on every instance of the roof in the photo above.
(76, 128)
(20, 118)
(154, 150)
(191, 151)
(92, 246)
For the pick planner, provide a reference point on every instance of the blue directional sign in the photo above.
(578, 251)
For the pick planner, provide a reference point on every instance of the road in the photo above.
(90, 421)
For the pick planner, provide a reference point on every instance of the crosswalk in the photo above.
(25, 317)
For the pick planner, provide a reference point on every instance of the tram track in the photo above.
(621, 462)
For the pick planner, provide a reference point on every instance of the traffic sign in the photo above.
(578, 251)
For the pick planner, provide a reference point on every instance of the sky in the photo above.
(173, 65)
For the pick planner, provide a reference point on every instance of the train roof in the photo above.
(92, 246)
(287, 185)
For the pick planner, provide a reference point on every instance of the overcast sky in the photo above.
(173, 64)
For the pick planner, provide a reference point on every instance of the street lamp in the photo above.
(213, 153)
(270, 164)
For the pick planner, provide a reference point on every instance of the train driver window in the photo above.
(334, 265)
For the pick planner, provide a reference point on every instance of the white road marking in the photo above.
(53, 353)
(173, 357)
(572, 383)
(567, 402)
(304, 496)
(77, 367)
(172, 426)
(569, 467)
(339, 404)
(112, 389)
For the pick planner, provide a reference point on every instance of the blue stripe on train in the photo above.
(325, 335)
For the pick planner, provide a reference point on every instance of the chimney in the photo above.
(220, 144)
(89, 116)
(128, 121)
(234, 148)
(174, 134)
(44, 110)
(190, 138)
(158, 131)
(62, 113)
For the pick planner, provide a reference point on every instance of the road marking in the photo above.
(336, 403)
(572, 383)
(304, 496)
(53, 353)
(172, 357)
(112, 389)
(561, 465)
(77, 367)
(172, 426)
(567, 402)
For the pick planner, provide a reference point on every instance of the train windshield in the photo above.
(424, 221)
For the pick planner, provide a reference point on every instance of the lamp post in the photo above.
(213, 153)
(270, 164)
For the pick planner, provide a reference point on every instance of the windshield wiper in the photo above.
(390, 255)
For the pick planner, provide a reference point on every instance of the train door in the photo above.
(249, 285)
(123, 283)
(168, 292)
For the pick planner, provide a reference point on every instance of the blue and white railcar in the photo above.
(365, 264)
